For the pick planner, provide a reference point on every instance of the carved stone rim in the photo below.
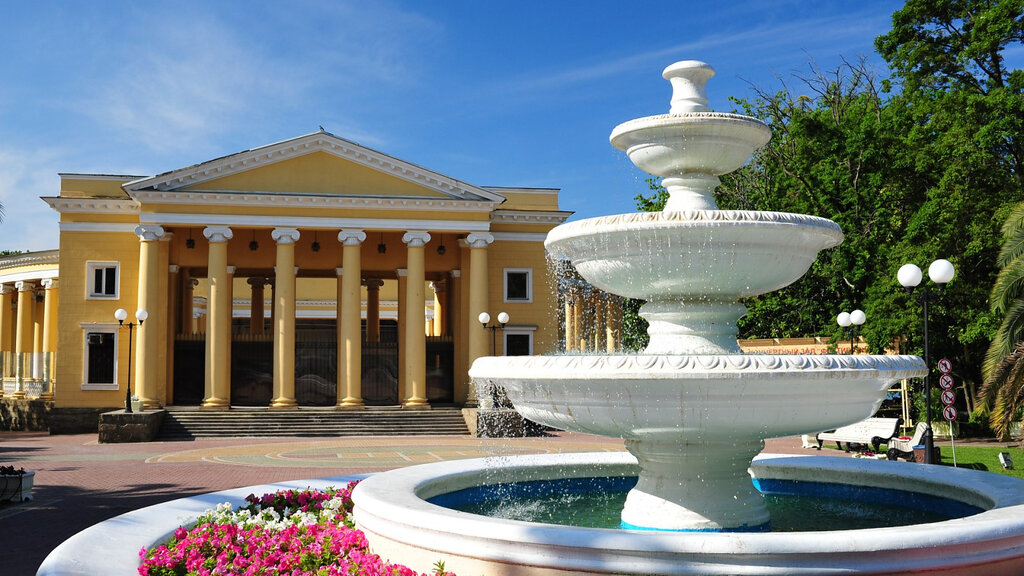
(692, 218)
(615, 366)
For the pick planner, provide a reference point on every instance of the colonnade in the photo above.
(412, 321)
(593, 319)
(28, 337)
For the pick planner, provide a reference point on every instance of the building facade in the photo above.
(312, 271)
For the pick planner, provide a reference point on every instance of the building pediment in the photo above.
(319, 164)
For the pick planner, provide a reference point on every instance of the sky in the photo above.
(494, 93)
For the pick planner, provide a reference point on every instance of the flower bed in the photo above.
(294, 532)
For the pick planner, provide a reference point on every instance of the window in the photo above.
(100, 357)
(519, 340)
(102, 279)
(518, 285)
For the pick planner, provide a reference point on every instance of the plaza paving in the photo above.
(80, 482)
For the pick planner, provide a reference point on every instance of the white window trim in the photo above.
(517, 331)
(101, 327)
(529, 285)
(90, 273)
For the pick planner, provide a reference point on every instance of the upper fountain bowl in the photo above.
(696, 142)
(691, 146)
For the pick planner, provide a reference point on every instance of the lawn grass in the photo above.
(982, 457)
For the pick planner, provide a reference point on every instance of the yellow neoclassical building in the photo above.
(313, 271)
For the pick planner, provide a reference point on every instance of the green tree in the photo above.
(949, 58)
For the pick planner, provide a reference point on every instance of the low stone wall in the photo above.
(76, 420)
(31, 414)
(121, 426)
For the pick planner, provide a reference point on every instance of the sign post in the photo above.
(948, 399)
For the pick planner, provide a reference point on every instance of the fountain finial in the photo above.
(688, 79)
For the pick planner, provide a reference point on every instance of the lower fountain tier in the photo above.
(694, 398)
(695, 422)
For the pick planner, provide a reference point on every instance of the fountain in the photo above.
(693, 409)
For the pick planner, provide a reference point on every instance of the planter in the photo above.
(17, 487)
(137, 405)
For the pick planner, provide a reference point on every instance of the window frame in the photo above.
(518, 331)
(99, 328)
(529, 285)
(90, 283)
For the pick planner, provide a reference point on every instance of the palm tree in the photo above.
(1002, 394)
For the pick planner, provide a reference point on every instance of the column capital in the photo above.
(351, 237)
(479, 239)
(373, 283)
(218, 233)
(456, 273)
(173, 268)
(7, 289)
(167, 237)
(230, 270)
(402, 272)
(49, 283)
(340, 271)
(416, 237)
(257, 282)
(439, 286)
(24, 286)
(285, 235)
(149, 232)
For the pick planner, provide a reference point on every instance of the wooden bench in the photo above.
(872, 431)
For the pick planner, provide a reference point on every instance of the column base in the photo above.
(215, 404)
(284, 404)
(19, 394)
(416, 404)
(351, 404)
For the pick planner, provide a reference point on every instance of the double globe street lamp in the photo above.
(121, 315)
(909, 275)
(484, 318)
(849, 320)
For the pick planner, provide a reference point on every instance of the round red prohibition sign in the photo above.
(946, 381)
(945, 366)
(949, 413)
(948, 397)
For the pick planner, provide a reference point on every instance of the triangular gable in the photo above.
(319, 163)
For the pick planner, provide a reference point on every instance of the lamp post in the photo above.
(849, 320)
(909, 275)
(121, 315)
(484, 318)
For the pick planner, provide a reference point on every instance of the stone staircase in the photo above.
(191, 423)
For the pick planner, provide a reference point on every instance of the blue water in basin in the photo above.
(794, 506)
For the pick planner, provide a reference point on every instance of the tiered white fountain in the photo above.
(694, 409)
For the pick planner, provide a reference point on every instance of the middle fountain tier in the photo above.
(691, 407)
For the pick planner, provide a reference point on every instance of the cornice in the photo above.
(66, 205)
(292, 200)
(30, 259)
(530, 216)
(318, 141)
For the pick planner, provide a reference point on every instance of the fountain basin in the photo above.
(392, 509)
(722, 255)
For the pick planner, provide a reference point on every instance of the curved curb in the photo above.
(112, 547)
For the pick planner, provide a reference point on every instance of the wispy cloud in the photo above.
(25, 175)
